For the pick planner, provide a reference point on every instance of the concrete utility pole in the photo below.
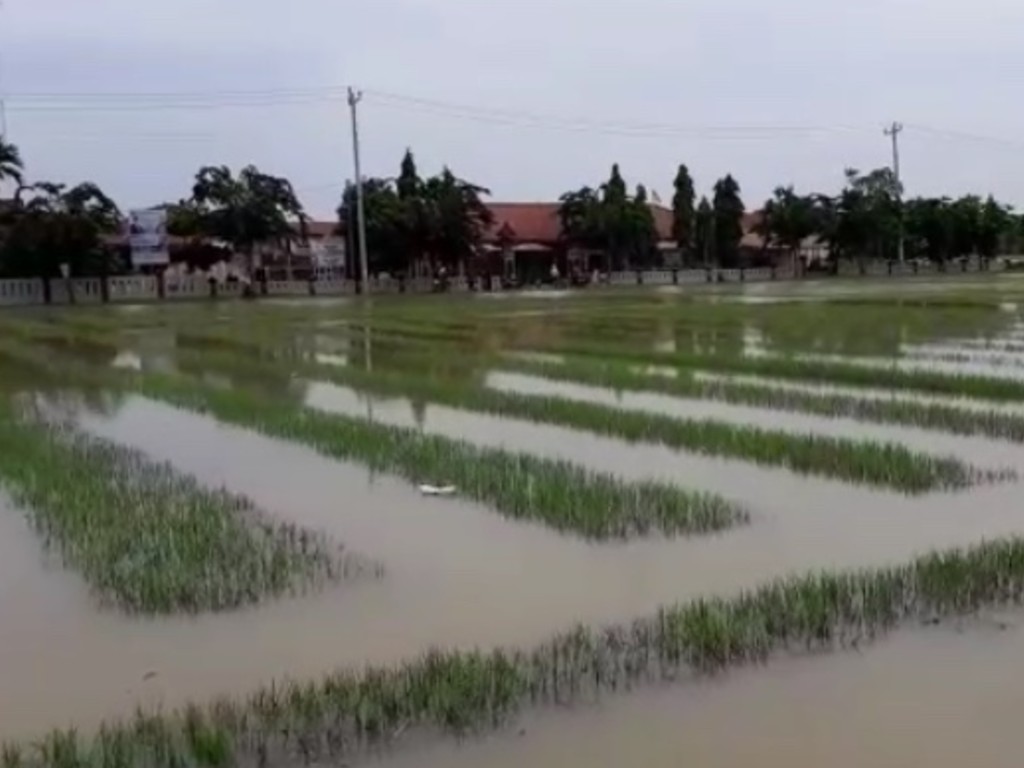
(894, 132)
(354, 97)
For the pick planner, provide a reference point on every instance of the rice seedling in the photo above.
(149, 540)
(559, 494)
(463, 692)
(884, 465)
(936, 416)
(982, 387)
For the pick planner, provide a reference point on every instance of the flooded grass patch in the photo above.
(992, 421)
(824, 371)
(149, 540)
(462, 692)
(559, 494)
(887, 465)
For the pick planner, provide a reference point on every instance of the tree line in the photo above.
(442, 221)
(46, 226)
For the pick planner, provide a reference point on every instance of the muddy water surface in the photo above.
(864, 393)
(457, 573)
(971, 450)
(935, 697)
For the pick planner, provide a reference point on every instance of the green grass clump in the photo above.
(461, 692)
(559, 494)
(935, 416)
(878, 464)
(825, 372)
(149, 540)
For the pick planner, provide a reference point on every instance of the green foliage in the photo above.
(940, 229)
(581, 216)
(610, 220)
(683, 212)
(49, 224)
(254, 208)
(441, 219)
(557, 493)
(11, 165)
(346, 714)
(885, 465)
(148, 539)
(788, 219)
(704, 233)
(728, 211)
(643, 233)
(867, 215)
(940, 417)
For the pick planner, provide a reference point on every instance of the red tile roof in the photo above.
(539, 222)
(525, 222)
(321, 228)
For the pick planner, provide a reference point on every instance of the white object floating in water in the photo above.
(435, 490)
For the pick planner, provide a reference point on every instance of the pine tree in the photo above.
(683, 212)
(728, 217)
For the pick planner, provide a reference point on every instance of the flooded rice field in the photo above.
(510, 491)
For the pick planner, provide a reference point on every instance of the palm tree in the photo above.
(11, 165)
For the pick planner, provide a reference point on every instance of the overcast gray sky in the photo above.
(693, 66)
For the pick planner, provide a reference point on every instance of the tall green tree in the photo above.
(683, 211)
(995, 224)
(441, 220)
(387, 245)
(11, 165)
(933, 229)
(643, 232)
(868, 215)
(612, 220)
(252, 209)
(580, 215)
(704, 232)
(617, 220)
(51, 224)
(458, 219)
(728, 212)
(788, 219)
(409, 185)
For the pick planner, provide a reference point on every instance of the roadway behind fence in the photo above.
(143, 288)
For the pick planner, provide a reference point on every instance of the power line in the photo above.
(956, 135)
(273, 97)
(535, 120)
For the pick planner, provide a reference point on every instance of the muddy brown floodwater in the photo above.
(938, 697)
(458, 574)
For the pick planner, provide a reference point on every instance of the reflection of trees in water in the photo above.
(78, 348)
(54, 401)
(276, 382)
(419, 411)
(464, 365)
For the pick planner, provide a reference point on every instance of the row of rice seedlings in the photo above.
(936, 353)
(150, 540)
(936, 416)
(831, 372)
(886, 465)
(557, 493)
(465, 692)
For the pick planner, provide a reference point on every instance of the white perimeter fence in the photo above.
(142, 288)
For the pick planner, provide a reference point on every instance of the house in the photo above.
(526, 239)
(756, 251)
(324, 247)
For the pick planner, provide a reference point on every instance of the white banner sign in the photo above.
(147, 235)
